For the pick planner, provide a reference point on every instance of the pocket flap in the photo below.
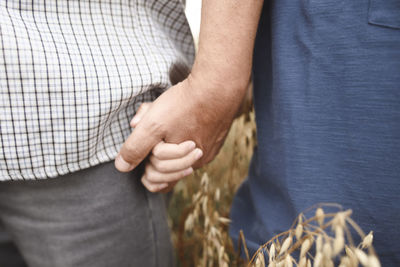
(384, 13)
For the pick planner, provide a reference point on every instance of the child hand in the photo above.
(169, 163)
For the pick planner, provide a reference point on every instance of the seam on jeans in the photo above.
(153, 232)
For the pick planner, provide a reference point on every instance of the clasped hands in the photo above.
(167, 162)
(182, 129)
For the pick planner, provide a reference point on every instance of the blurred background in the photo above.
(193, 13)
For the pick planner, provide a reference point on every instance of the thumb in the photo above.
(139, 114)
(136, 148)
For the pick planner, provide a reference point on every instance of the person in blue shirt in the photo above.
(327, 99)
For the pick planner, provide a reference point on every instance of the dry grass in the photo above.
(324, 240)
(199, 211)
(201, 203)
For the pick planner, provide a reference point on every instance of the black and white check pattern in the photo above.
(73, 72)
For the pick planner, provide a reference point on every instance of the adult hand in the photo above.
(202, 107)
(191, 110)
(167, 163)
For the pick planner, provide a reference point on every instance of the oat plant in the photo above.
(324, 240)
(212, 226)
(201, 204)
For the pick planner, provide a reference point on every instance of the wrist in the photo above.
(215, 96)
(217, 78)
(218, 91)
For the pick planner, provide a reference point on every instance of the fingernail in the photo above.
(135, 120)
(199, 153)
(188, 171)
(191, 145)
(122, 165)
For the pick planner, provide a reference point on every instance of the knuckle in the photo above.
(155, 162)
(156, 127)
(157, 151)
(152, 176)
(162, 166)
(143, 106)
(130, 150)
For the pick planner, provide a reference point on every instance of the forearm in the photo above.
(227, 34)
(201, 108)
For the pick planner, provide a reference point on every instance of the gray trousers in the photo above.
(95, 217)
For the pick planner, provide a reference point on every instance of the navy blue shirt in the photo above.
(327, 99)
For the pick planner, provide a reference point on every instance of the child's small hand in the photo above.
(168, 163)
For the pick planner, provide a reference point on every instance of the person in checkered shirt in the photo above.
(72, 76)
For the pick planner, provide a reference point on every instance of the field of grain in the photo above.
(323, 236)
(200, 204)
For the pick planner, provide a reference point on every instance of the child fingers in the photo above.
(153, 187)
(165, 151)
(156, 187)
(173, 165)
(154, 176)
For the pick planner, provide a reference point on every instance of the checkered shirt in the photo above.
(73, 73)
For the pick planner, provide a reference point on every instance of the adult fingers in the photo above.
(164, 151)
(154, 176)
(174, 165)
(137, 147)
(139, 114)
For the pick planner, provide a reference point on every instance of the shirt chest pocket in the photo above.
(384, 13)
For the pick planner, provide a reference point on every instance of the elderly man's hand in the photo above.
(202, 107)
(190, 110)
